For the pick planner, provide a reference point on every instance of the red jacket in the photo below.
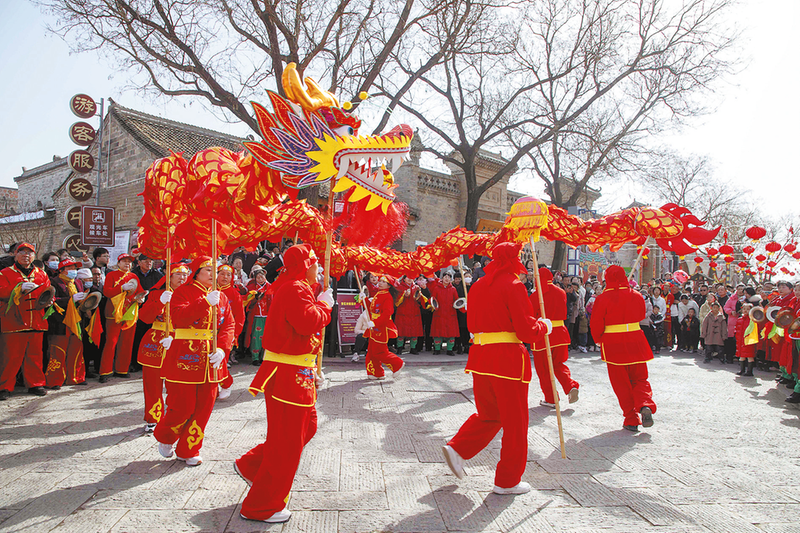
(445, 320)
(502, 305)
(555, 307)
(22, 317)
(742, 350)
(408, 317)
(381, 308)
(113, 286)
(151, 353)
(295, 322)
(618, 305)
(187, 360)
(235, 299)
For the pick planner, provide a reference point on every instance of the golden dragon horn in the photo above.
(313, 98)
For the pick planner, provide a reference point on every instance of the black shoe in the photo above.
(120, 375)
(414, 351)
(707, 359)
(791, 385)
(91, 375)
(749, 372)
(647, 417)
(256, 363)
(4, 395)
(104, 379)
(794, 398)
(437, 352)
(54, 387)
(742, 367)
(82, 384)
(37, 391)
(631, 428)
(450, 352)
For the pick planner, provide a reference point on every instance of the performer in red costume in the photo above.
(287, 379)
(501, 318)
(380, 330)
(555, 305)
(117, 352)
(623, 346)
(408, 316)
(151, 349)
(23, 326)
(225, 283)
(259, 299)
(65, 346)
(192, 368)
(444, 328)
(781, 343)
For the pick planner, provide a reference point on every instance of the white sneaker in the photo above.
(354, 359)
(582, 349)
(224, 393)
(379, 378)
(166, 450)
(520, 488)
(149, 428)
(547, 404)
(236, 468)
(278, 518)
(573, 395)
(191, 461)
(454, 461)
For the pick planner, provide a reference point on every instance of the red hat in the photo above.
(225, 267)
(387, 278)
(124, 256)
(28, 245)
(616, 278)
(297, 260)
(201, 262)
(178, 268)
(505, 258)
(69, 262)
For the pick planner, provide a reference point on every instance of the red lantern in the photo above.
(784, 270)
(772, 264)
(791, 247)
(761, 258)
(742, 264)
(728, 259)
(748, 250)
(698, 260)
(713, 264)
(796, 255)
(760, 269)
(755, 232)
(711, 252)
(773, 247)
(726, 249)
(645, 253)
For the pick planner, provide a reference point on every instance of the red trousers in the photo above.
(119, 342)
(66, 361)
(632, 389)
(271, 466)
(501, 403)
(227, 383)
(153, 400)
(22, 349)
(189, 407)
(378, 354)
(560, 369)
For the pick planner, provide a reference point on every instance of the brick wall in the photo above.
(9, 201)
(36, 185)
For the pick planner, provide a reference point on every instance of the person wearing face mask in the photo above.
(23, 325)
(51, 261)
(66, 364)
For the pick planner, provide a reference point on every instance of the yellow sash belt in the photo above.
(495, 337)
(308, 360)
(557, 323)
(622, 328)
(160, 326)
(189, 334)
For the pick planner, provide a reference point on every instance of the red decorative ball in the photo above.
(791, 247)
(728, 259)
(773, 247)
(713, 264)
(698, 260)
(772, 264)
(748, 250)
(755, 232)
(742, 264)
(726, 249)
(761, 257)
(711, 252)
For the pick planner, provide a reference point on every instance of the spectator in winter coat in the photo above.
(690, 332)
(684, 306)
(714, 332)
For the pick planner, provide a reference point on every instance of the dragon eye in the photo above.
(344, 130)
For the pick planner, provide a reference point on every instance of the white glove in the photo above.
(319, 380)
(213, 298)
(548, 323)
(363, 293)
(129, 286)
(166, 296)
(326, 297)
(166, 342)
(78, 296)
(370, 324)
(216, 358)
(28, 286)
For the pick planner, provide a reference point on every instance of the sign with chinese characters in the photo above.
(82, 134)
(122, 243)
(73, 243)
(81, 161)
(348, 312)
(80, 189)
(97, 226)
(83, 106)
(73, 217)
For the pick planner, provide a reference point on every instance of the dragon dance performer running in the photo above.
(288, 381)
(380, 330)
(501, 318)
(152, 348)
(192, 369)
(555, 305)
(623, 346)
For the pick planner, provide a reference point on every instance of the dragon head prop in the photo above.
(309, 139)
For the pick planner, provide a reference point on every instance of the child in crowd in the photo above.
(690, 332)
(746, 341)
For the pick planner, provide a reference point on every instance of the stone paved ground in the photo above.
(722, 457)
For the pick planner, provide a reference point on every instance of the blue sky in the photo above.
(752, 138)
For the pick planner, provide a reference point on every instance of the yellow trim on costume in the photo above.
(557, 323)
(191, 334)
(496, 376)
(254, 390)
(160, 326)
(622, 328)
(307, 360)
(495, 337)
(295, 404)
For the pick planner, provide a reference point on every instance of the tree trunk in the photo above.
(471, 217)
(473, 193)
